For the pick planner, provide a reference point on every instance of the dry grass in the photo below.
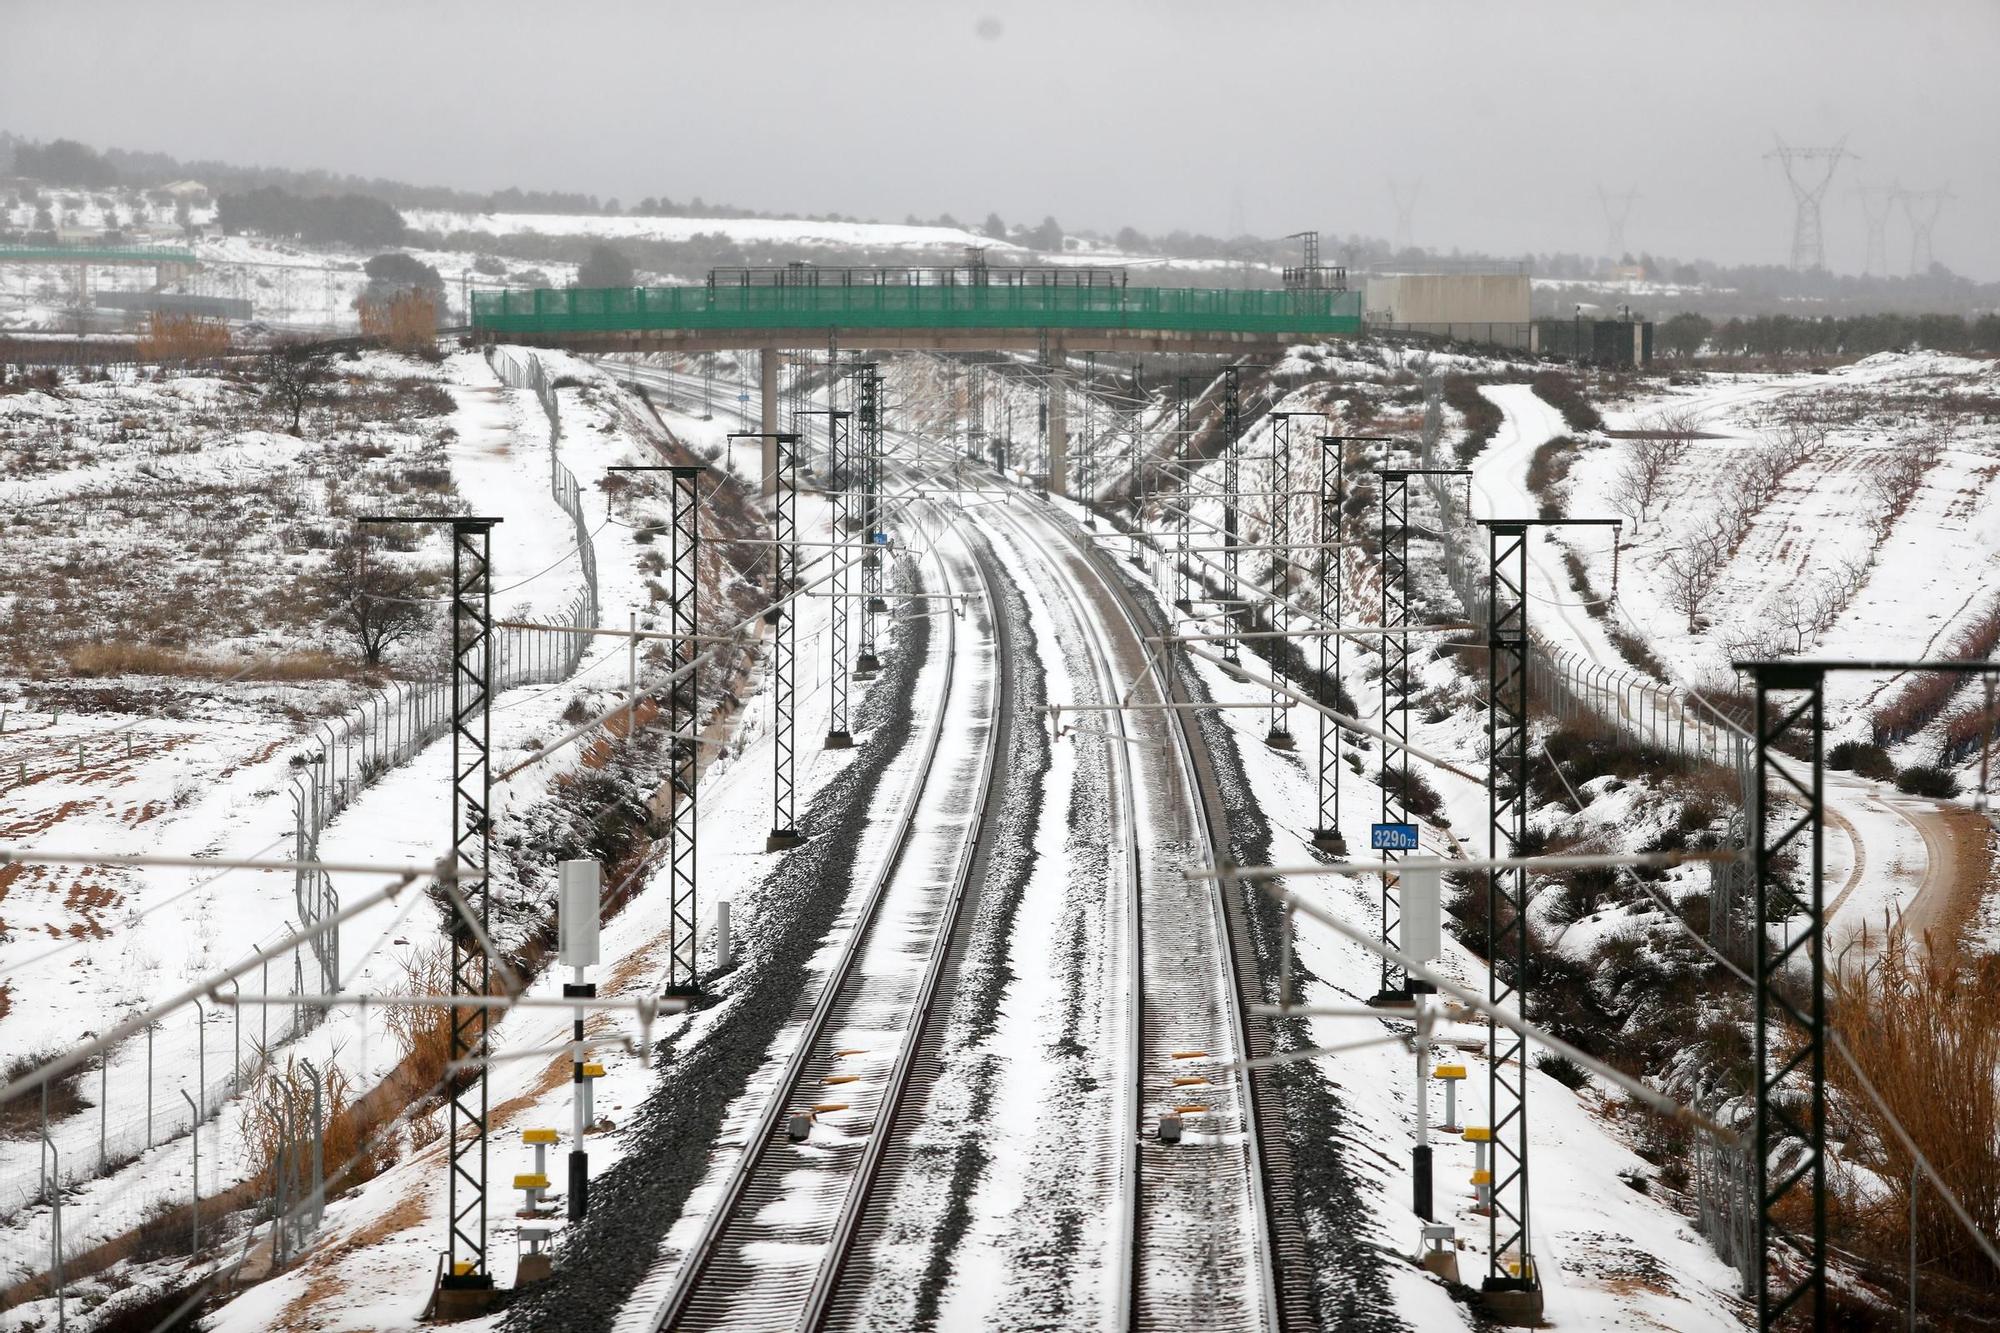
(183, 340)
(406, 323)
(288, 1091)
(143, 659)
(423, 1032)
(1924, 1026)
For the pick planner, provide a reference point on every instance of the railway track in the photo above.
(1203, 1245)
(771, 1251)
(1203, 1232)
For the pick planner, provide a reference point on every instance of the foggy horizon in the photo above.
(1511, 139)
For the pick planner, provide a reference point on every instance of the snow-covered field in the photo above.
(764, 231)
(1812, 542)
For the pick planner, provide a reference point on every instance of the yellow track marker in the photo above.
(841, 1078)
(1190, 1055)
(824, 1107)
(1190, 1080)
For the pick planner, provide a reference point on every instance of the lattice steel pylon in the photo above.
(784, 619)
(1327, 570)
(1404, 196)
(466, 1271)
(1512, 1285)
(1809, 171)
(1278, 735)
(1922, 208)
(1395, 557)
(683, 728)
(1779, 1120)
(1183, 497)
(1232, 468)
(868, 420)
(1086, 454)
(839, 476)
(1617, 212)
(1506, 905)
(1877, 201)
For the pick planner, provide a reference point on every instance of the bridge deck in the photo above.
(930, 316)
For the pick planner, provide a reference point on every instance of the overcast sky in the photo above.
(1272, 116)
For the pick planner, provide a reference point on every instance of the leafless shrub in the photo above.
(1924, 697)
(379, 602)
(1896, 482)
(1642, 474)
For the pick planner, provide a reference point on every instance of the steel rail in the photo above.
(847, 1227)
(1211, 824)
(703, 1253)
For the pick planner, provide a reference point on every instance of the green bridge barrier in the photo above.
(911, 306)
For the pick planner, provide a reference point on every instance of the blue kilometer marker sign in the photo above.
(1392, 837)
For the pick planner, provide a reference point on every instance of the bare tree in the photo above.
(1691, 572)
(1642, 477)
(295, 376)
(380, 603)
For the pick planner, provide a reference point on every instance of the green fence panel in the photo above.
(592, 310)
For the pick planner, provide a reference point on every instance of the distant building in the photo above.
(1485, 296)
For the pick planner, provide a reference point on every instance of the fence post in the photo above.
(201, 1053)
(54, 1160)
(194, 1179)
(103, 1104)
(149, 1084)
(236, 1041)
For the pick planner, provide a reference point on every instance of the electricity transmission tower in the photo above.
(1617, 208)
(1876, 203)
(1922, 207)
(1405, 198)
(1810, 172)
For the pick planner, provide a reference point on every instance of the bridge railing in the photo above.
(1193, 309)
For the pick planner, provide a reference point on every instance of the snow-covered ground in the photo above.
(1610, 1252)
(764, 231)
(209, 775)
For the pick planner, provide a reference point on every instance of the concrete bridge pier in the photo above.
(1058, 431)
(767, 377)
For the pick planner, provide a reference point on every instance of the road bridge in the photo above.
(970, 308)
